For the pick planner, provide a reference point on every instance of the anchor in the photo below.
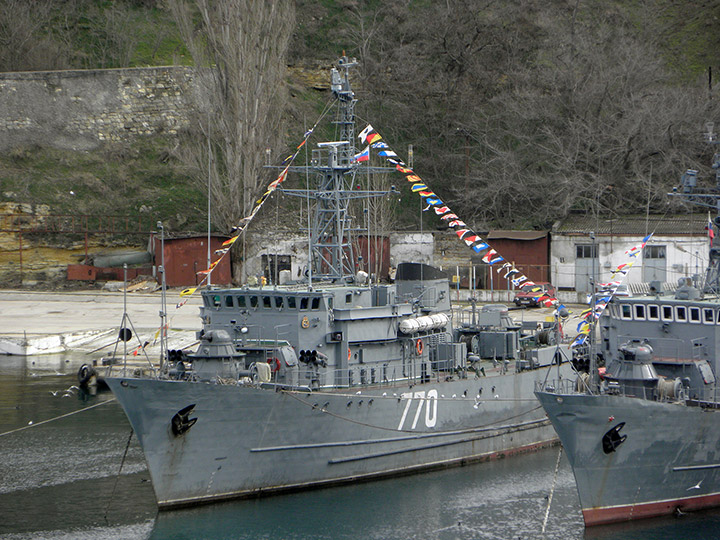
(181, 422)
(612, 439)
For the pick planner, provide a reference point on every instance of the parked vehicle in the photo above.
(530, 298)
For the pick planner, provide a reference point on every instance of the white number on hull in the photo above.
(430, 409)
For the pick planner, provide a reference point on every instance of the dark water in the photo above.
(60, 480)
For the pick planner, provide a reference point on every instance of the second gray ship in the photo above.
(643, 433)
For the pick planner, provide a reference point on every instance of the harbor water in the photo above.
(83, 476)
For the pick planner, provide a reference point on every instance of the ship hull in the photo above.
(251, 441)
(666, 459)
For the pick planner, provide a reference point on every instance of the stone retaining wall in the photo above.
(78, 110)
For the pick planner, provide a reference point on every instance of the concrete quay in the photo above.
(38, 322)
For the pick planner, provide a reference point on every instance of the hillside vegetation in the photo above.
(519, 112)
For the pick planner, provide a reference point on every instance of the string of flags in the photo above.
(244, 222)
(489, 256)
(605, 293)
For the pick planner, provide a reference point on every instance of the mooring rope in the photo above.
(35, 424)
(117, 476)
(552, 490)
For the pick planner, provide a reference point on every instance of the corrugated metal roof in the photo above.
(688, 224)
(517, 235)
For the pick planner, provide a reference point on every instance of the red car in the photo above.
(530, 298)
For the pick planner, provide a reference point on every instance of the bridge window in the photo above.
(709, 316)
(680, 314)
(241, 301)
(216, 300)
(304, 301)
(626, 311)
(695, 315)
(653, 312)
(667, 313)
(291, 302)
(279, 302)
(639, 312)
(316, 303)
(228, 301)
(254, 301)
(267, 302)
(348, 298)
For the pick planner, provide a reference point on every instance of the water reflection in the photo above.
(505, 499)
(67, 479)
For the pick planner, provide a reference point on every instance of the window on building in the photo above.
(586, 251)
(654, 252)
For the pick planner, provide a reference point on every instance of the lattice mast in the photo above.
(331, 249)
(709, 198)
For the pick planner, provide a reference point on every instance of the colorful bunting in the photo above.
(607, 289)
(365, 132)
(454, 222)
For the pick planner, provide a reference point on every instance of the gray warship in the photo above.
(338, 379)
(643, 437)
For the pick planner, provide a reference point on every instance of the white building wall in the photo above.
(412, 247)
(276, 244)
(685, 256)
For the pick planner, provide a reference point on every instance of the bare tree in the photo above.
(521, 114)
(23, 45)
(240, 48)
